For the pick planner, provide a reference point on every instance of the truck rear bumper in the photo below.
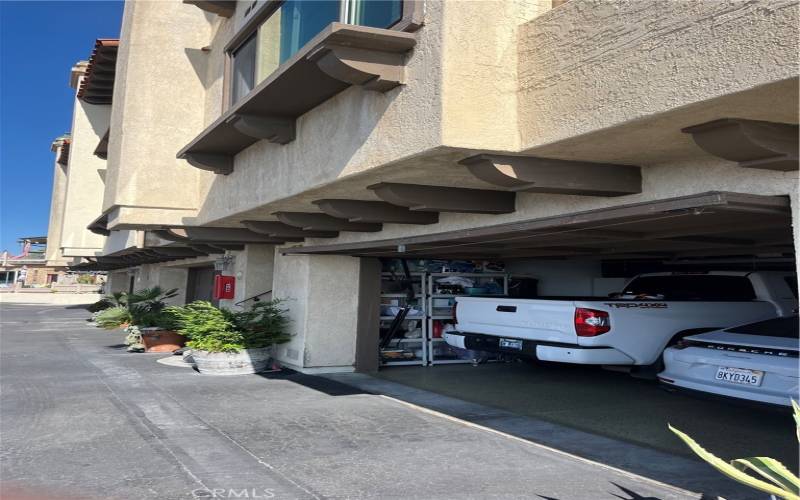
(560, 353)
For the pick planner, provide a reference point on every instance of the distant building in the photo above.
(30, 268)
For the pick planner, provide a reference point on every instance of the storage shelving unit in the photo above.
(410, 351)
(440, 309)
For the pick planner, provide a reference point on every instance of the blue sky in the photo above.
(39, 43)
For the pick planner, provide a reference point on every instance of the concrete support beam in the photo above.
(751, 143)
(276, 129)
(277, 229)
(214, 235)
(310, 221)
(222, 8)
(547, 175)
(375, 211)
(333, 304)
(445, 199)
(219, 164)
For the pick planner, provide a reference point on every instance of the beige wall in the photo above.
(84, 186)
(56, 222)
(158, 107)
(592, 64)
(321, 294)
(253, 269)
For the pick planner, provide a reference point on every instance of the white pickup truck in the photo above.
(632, 327)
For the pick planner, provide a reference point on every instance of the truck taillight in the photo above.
(591, 322)
(455, 312)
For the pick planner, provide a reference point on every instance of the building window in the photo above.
(289, 27)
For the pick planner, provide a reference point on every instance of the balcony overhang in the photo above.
(222, 8)
(751, 143)
(340, 56)
(63, 152)
(101, 151)
(100, 225)
(97, 86)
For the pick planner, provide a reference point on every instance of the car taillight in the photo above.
(455, 312)
(591, 322)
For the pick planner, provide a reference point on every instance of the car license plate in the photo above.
(739, 376)
(511, 344)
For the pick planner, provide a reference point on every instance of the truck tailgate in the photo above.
(543, 320)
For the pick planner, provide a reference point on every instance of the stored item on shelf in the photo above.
(438, 328)
(477, 290)
(397, 354)
(413, 334)
(456, 280)
(441, 303)
(449, 289)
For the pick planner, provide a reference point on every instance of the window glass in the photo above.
(301, 20)
(693, 287)
(293, 25)
(244, 59)
(374, 13)
(778, 327)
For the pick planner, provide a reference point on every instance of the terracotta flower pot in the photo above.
(232, 363)
(156, 339)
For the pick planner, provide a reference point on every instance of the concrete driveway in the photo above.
(81, 418)
(613, 404)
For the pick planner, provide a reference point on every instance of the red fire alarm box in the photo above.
(224, 287)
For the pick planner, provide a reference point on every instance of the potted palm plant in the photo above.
(142, 315)
(225, 342)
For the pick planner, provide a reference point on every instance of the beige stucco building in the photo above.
(293, 145)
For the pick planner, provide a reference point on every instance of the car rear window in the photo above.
(693, 287)
(776, 327)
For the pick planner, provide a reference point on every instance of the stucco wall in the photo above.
(590, 64)
(117, 282)
(461, 82)
(479, 71)
(321, 294)
(84, 186)
(158, 107)
(290, 283)
(356, 130)
(253, 269)
(54, 226)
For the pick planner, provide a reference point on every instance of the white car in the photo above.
(631, 328)
(755, 362)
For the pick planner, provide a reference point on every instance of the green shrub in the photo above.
(113, 317)
(220, 330)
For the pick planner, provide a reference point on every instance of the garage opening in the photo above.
(588, 254)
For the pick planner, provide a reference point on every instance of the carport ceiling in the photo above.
(707, 224)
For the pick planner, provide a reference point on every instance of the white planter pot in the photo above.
(232, 363)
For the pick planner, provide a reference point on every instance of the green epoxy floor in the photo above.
(612, 404)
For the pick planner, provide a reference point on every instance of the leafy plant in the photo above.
(113, 300)
(113, 317)
(146, 306)
(775, 479)
(220, 330)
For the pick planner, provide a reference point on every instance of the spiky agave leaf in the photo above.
(733, 472)
(770, 469)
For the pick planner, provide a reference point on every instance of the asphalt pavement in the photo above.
(82, 418)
